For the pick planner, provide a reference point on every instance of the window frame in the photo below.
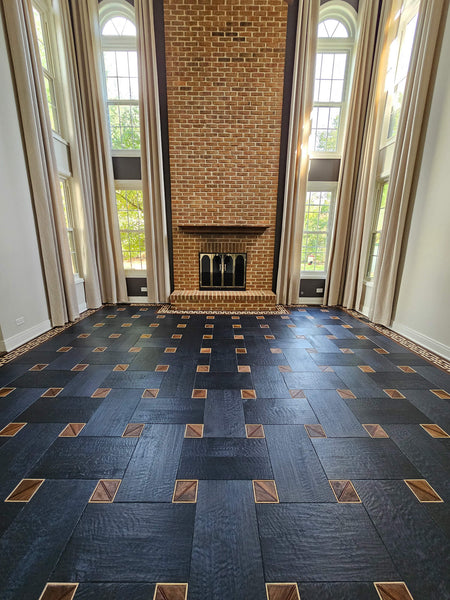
(379, 187)
(326, 187)
(348, 17)
(107, 10)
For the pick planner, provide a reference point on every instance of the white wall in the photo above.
(22, 292)
(423, 305)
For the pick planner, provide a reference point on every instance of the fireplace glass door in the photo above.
(225, 271)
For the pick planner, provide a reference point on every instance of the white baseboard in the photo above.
(138, 300)
(314, 300)
(421, 339)
(13, 342)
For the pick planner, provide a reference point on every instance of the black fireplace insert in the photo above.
(222, 271)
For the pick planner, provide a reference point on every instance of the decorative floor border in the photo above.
(428, 355)
(279, 310)
(44, 337)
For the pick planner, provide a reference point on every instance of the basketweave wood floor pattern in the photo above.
(210, 457)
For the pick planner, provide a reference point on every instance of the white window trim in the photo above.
(322, 186)
(346, 14)
(380, 183)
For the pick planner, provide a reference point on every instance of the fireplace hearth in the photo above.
(222, 271)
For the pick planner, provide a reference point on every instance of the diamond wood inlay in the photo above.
(177, 336)
(366, 369)
(205, 350)
(111, 317)
(64, 349)
(193, 430)
(121, 367)
(181, 326)
(11, 429)
(264, 326)
(79, 367)
(344, 491)
(442, 394)
(315, 431)
(208, 336)
(297, 394)
(311, 350)
(154, 325)
(99, 325)
(361, 337)
(265, 491)
(238, 337)
(260, 318)
(59, 591)
(84, 335)
(99, 349)
(185, 317)
(331, 337)
(162, 368)
(406, 369)
(434, 430)
(114, 336)
(135, 349)
(381, 351)
(254, 431)
(244, 369)
(346, 394)
(133, 430)
(241, 350)
(202, 368)
(248, 394)
(126, 324)
(153, 393)
(171, 591)
(269, 337)
(105, 491)
(135, 316)
(237, 326)
(185, 491)
(210, 317)
(197, 393)
(375, 430)
(25, 490)
(326, 369)
(101, 393)
(422, 490)
(146, 336)
(146, 309)
(209, 326)
(395, 394)
(5, 391)
(52, 392)
(38, 367)
(235, 318)
(395, 590)
(72, 430)
(284, 369)
(275, 350)
(282, 591)
(120, 309)
(346, 350)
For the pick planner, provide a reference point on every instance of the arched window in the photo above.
(118, 37)
(336, 36)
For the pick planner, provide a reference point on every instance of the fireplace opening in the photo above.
(222, 271)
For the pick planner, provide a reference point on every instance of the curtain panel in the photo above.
(156, 240)
(99, 180)
(288, 280)
(406, 156)
(41, 161)
(357, 158)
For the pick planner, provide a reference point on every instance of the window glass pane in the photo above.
(119, 26)
(40, 37)
(131, 225)
(316, 231)
(332, 28)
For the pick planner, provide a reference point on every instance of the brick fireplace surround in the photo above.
(225, 67)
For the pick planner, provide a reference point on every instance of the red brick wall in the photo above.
(225, 66)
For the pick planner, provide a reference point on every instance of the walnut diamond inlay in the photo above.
(11, 429)
(196, 393)
(442, 394)
(79, 367)
(282, 591)
(133, 430)
(265, 491)
(315, 431)
(52, 392)
(297, 394)
(72, 430)
(171, 591)
(105, 491)
(395, 394)
(25, 490)
(202, 368)
(248, 394)
(435, 431)
(193, 430)
(344, 491)
(5, 391)
(395, 590)
(423, 490)
(244, 369)
(162, 368)
(38, 367)
(59, 591)
(121, 367)
(346, 394)
(375, 431)
(101, 393)
(255, 431)
(153, 393)
(185, 491)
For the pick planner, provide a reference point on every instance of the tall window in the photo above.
(331, 88)
(47, 62)
(121, 82)
(317, 225)
(131, 224)
(377, 227)
(68, 214)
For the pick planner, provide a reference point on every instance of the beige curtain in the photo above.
(288, 280)
(357, 159)
(405, 158)
(81, 187)
(102, 210)
(156, 244)
(41, 162)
